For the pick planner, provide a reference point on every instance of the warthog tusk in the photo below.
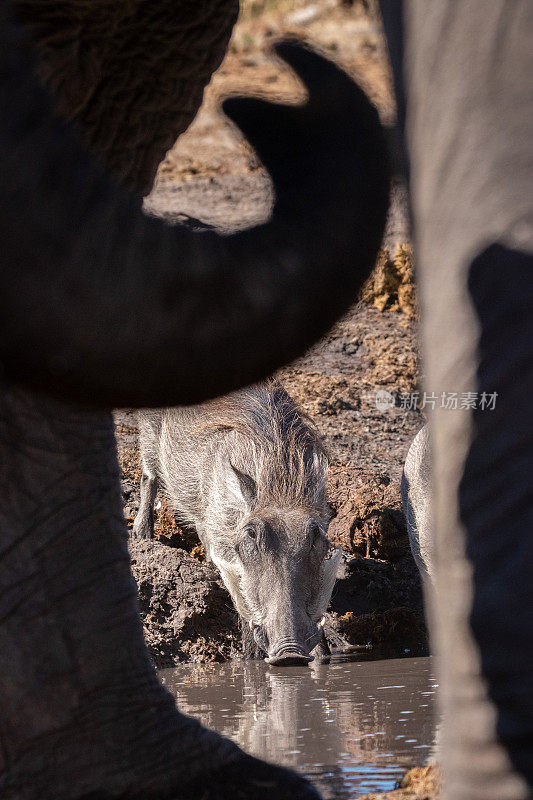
(252, 625)
(322, 622)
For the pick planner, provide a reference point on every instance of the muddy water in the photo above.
(351, 728)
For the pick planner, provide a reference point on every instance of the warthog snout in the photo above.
(282, 584)
(287, 651)
(289, 658)
(290, 652)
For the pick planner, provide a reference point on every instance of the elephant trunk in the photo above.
(106, 306)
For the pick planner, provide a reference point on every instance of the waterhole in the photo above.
(350, 727)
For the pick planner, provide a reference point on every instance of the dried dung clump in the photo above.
(391, 286)
(368, 514)
(425, 782)
(391, 363)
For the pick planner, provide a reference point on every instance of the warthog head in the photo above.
(280, 573)
(287, 580)
(267, 517)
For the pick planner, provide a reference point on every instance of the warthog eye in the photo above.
(313, 531)
(248, 544)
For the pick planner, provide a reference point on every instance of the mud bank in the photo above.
(186, 611)
(420, 783)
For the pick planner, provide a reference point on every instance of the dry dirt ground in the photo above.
(213, 176)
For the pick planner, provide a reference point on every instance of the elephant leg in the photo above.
(469, 119)
(143, 527)
(82, 713)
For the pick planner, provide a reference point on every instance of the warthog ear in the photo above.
(247, 486)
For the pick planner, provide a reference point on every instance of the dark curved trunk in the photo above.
(105, 306)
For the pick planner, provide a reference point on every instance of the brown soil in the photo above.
(420, 783)
(368, 517)
(213, 176)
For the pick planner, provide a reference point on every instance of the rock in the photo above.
(186, 611)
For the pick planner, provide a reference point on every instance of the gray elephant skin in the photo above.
(465, 94)
(93, 94)
(248, 473)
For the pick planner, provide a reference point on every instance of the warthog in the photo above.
(416, 500)
(248, 472)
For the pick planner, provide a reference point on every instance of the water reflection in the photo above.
(351, 727)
